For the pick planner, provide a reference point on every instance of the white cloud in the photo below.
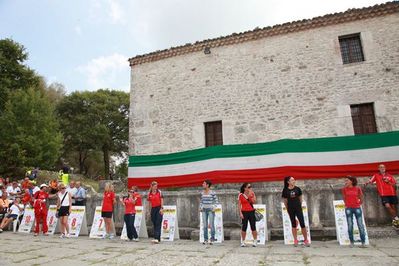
(110, 71)
(78, 30)
(116, 12)
(107, 11)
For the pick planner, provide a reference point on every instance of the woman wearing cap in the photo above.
(130, 214)
(64, 204)
(246, 200)
(40, 207)
(292, 198)
(155, 199)
(107, 209)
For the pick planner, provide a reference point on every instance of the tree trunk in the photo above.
(106, 162)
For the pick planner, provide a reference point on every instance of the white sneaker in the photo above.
(242, 244)
(111, 236)
(62, 236)
(255, 243)
(67, 235)
(155, 241)
(135, 239)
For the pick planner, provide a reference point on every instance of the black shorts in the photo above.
(63, 211)
(249, 216)
(389, 199)
(106, 214)
(12, 216)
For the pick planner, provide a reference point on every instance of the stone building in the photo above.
(330, 76)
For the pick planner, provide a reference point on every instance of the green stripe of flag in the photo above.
(345, 143)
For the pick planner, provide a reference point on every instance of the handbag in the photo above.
(56, 214)
(258, 215)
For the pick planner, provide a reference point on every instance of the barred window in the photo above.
(213, 133)
(351, 48)
(363, 118)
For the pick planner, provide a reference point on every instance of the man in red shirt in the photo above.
(386, 187)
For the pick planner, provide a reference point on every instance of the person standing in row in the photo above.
(292, 198)
(386, 187)
(246, 201)
(107, 209)
(353, 198)
(155, 199)
(207, 207)
(40, 207)
(64, 205)
(129, 203)
(137, 196)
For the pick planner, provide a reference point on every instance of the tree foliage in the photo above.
(95, 121)
(29, 132)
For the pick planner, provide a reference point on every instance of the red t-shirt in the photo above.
(245, 206)
(27, 198)
(40, 200)
(108, 201)
(155, 199)
(384, 188)
(138, 199)
(351, 196)
(130, 206)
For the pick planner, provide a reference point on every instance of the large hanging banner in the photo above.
(261, 226)
(170, 225)
(77, 221)
(52, 220)
(98, 225)
(288, 238)
(28, 221)
(341, 225)
(139, 224)
(219, 234)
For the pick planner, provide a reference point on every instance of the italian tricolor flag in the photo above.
(302, 158)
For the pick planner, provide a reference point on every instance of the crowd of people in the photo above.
(15, 196)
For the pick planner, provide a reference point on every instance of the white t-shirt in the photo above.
(10, 190)
(72, 191)
(66, 200)
(14, 209)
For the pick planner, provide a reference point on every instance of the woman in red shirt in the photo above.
(107, 209)
(246, 199)
(155, 199)
(130, 214)
(353, 198)
(40, 207)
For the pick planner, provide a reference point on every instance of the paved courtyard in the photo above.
(20, 249)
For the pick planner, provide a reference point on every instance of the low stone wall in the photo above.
(319, 195)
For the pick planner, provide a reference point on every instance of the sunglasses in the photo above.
(249, 187)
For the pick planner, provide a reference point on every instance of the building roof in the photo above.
(259, 33)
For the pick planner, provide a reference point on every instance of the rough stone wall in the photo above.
(287, 86)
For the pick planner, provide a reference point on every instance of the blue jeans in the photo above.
(208, 213)
(349, 212)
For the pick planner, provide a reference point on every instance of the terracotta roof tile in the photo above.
(258, 33)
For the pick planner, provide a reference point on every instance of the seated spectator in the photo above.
(13, 191)
(12, 214)
(25, 184)
(1, 189)
(4, 203)
(7, 181)
(80, 195)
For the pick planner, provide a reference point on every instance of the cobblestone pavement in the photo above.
(21, 249)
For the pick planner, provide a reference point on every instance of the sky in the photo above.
(86, 44)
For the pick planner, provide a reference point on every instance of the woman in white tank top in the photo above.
(64, 204)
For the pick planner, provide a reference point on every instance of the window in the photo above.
(363, 118)
(351, 48)
(213, 133)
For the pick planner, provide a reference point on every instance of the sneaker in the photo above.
(352, 245)
(67, 235)
(255, 243)
(205, 242)
(135, 239)
(395, 223)
(295, 243)
(46, 234)
(106, 236)
(210, 242)
(155, 241)
(1, 230)
(242, 244)
(35, 234)
(111, 236)
(363, 245)
(306, 243)
(62, 236)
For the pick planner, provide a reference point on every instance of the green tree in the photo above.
(14, 75)
(29, 132)
(95, 121)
